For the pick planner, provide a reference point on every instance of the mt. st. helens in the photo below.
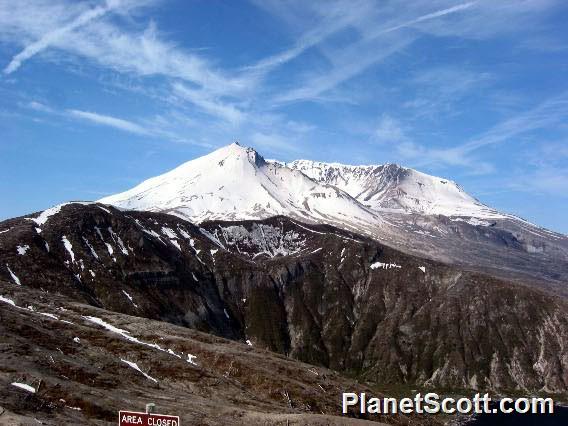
(414, 212)
(263, 265)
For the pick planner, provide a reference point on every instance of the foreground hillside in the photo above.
(67, 363)
(313, 293)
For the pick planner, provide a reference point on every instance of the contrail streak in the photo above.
(48, 39)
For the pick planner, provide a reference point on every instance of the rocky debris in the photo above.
(87, 381)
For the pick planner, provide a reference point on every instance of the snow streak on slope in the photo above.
(391, 187)
(236, 183)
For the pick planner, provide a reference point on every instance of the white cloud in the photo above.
(378, 40)
(38, 106)
(389, 130)
(549, 181)
(274, 142)
(51, 37)
(211, 105)
(439, 89)
(332, 18)
(107, 120)
(548, 115)
(69, 28)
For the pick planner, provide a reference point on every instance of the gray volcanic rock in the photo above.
(313, 292)
(84, 364)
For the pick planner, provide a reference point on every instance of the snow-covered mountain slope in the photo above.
(236, 183)
(391, 187)
(403, 208)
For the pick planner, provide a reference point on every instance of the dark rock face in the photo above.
(315, 293)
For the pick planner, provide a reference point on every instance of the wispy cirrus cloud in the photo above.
(333, 18)
(107, 120)
(547, 115)
(389, 131)
(376, 43)
(210, 104)
(84, 32)
(51, 37)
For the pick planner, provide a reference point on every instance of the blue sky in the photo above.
(96, 96)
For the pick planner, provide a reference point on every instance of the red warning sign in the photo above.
(132, 418)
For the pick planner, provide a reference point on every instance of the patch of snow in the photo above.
(422, 268)
(190, 359)
(135, 366)
(46, 214)
(23, 386)
(126, 335)
(22, 249)
(173, 353)
(38, 230)
(68, 247)
(6, 230)
(212, 237)
(92, 273)
(103, 208)
(76, 340)
(110, 251)
(99, 233)
(194, 277)
(308, 229)
(175, 243)
(226, 314)
(249, 342)
(121, 332)
(184, 234)
(118, 241)
(213, 251)
(169, 232)
(46, 246)
(8, 301)
(130, 298)
(14, 277)
(382, 265)
(45, 314)
(472, 221)
(150, 232)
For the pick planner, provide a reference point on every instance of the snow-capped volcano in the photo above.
(408, 210)
(236, 183)
(403, 208)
